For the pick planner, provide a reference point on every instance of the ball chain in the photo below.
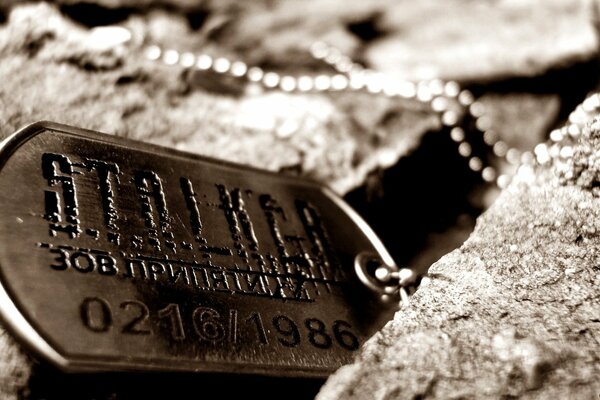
(452, 103)
(447, 99)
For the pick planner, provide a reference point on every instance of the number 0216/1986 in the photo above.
(209, 325)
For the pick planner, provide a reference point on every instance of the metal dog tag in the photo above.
(119, 255)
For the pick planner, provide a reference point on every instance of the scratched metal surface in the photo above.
(122, 255)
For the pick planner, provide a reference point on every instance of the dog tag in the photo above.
(120, 255)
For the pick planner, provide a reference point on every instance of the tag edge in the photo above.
(26, 335)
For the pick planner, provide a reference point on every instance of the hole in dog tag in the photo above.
(119, 255)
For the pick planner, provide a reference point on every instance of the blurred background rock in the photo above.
(530, 62)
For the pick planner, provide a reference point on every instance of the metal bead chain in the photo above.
(440, 94)
(448, 99)
(445, 98)
(562, 139)
(288, 83)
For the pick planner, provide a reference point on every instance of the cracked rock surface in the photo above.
(514, 312)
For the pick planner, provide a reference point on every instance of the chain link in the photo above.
(448, 99)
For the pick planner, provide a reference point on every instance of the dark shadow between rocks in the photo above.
(423, 193)
(92, 15)
(366, 29)
(48, 383)
(426, 205)
(196, 19)
(572, 84)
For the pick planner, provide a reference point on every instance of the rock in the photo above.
(583, 168)
(514, 312)
(52, 73)
(15, 367)
(511, 114)
(114, 4)
(461, 39)
(466, 40)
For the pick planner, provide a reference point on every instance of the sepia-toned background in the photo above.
(529, 62)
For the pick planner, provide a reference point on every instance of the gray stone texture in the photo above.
(514, 312)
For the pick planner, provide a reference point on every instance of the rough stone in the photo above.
(493, 39)
(15, 367)
(514, 113)
(338, 140)
(514, 312)
(583, 168)
(459, 39)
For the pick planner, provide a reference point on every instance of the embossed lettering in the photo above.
(130, 270)
(316, 333)
(254, 283)
(155, 269)
(288, 329)
(207, 324)
(62, 261)
(61, 206)
(319, 240)
(303, 262)
(83, 262)
(260, 327)
(150, 187)
(233, 325)
(218, 280)
(299, 261)
(136, 325)
(107, 172)
(172, 313)
(107, 265)
(175, 272)
(240, 225)
(191, 202)
(96, 314)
